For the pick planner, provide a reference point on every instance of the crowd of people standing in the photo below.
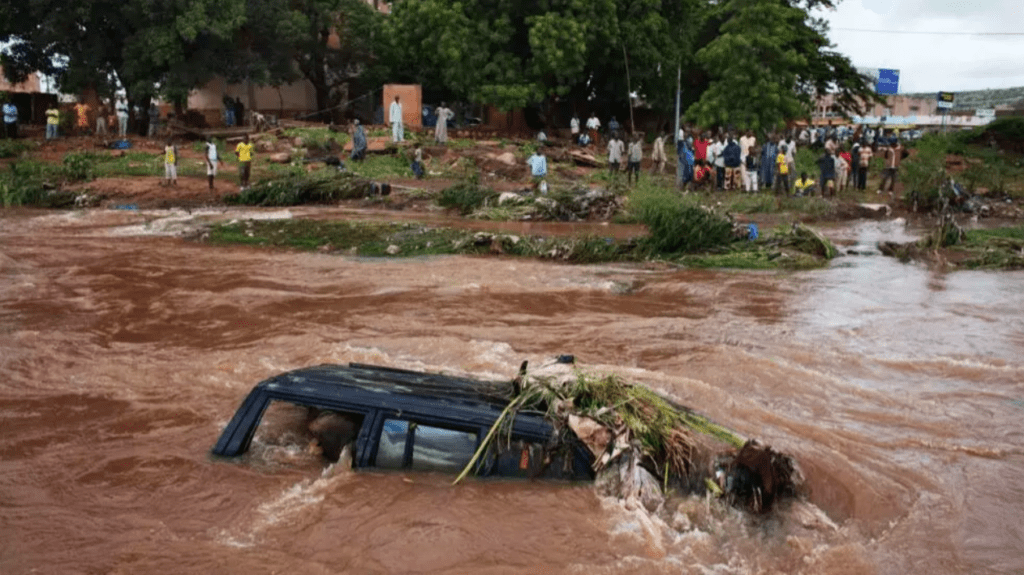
(729, 161)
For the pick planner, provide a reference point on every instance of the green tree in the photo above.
(765, 62)
(514, 53)
(330, 43)
(141, 46)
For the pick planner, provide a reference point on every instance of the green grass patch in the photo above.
(677, 224)
(466, 196)
(317, 187)
(14, 148)
(316, 137)
(382, 167)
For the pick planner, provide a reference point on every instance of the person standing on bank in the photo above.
(615, 149)
(101, 120)
(52, 122)
(154, 119)
(574, 128)
(636, 155)
(358, 141)
(122, 117)
(658, 155)
(171, 163)
(244, 153)
(395, 118)
(212, 159)
(441, 127)
(10, 119)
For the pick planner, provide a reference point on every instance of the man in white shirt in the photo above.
(395, 117)
(715, 150)
(615, 149)
(791, 154)
(747, 142)
(574, 127)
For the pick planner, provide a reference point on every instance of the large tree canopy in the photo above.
(513, 53)
(134, 44)
(765, 62)
(746, 63)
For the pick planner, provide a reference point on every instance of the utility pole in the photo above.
(675, 137)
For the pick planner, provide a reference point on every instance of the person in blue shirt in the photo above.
(538, 168)
(10, 120)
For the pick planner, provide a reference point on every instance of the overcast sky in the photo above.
(932, 62)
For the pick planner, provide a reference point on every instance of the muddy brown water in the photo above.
(124, 352)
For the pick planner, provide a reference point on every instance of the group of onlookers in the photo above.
(728, 161)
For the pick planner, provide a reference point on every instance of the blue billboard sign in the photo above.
(888, 81)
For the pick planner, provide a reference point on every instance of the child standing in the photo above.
(782, 171)
(636, 154)
(752, 165)
(243, 151)
(171, 163)
(417, 161)
(212, 159)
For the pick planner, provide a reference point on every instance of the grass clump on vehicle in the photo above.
(643, 444)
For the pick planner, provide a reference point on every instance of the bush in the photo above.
(924, 173)
(22, 184)
(466, 196)
(320, 187)
(677, 226)
(13, 148)
(79, 166)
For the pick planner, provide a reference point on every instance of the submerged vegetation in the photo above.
(788, 248)
(951, 246)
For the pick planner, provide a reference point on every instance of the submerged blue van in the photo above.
(407, 420)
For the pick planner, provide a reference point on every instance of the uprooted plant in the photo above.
(629, 426)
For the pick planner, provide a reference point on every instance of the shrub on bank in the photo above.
(676, 225)
(319, 187)
(466, 196)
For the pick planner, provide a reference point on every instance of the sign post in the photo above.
(945, 102)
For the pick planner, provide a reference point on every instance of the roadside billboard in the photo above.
(945, 100)
(888, 81)
(885, 80)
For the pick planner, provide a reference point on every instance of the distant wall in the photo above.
(286, 101)
(411, 98)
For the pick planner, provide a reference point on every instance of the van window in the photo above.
(391, 448)
(432, 448)
(440, 449)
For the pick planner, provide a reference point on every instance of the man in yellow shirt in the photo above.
(244, 151)
(805, 186)
(781, 172)
(52, 121)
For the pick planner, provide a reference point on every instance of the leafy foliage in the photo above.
(466, 196)
(319, 187)
(79, 166)
(677, 226)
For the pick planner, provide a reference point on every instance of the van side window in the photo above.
(391, 448)
(440, 449)
(423, 447)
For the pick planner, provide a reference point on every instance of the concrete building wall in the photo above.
(29, 86)
(411, 98)
(285, 101)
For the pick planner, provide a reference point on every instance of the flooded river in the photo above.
(124, 353)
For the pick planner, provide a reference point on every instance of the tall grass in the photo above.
(677, 225)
